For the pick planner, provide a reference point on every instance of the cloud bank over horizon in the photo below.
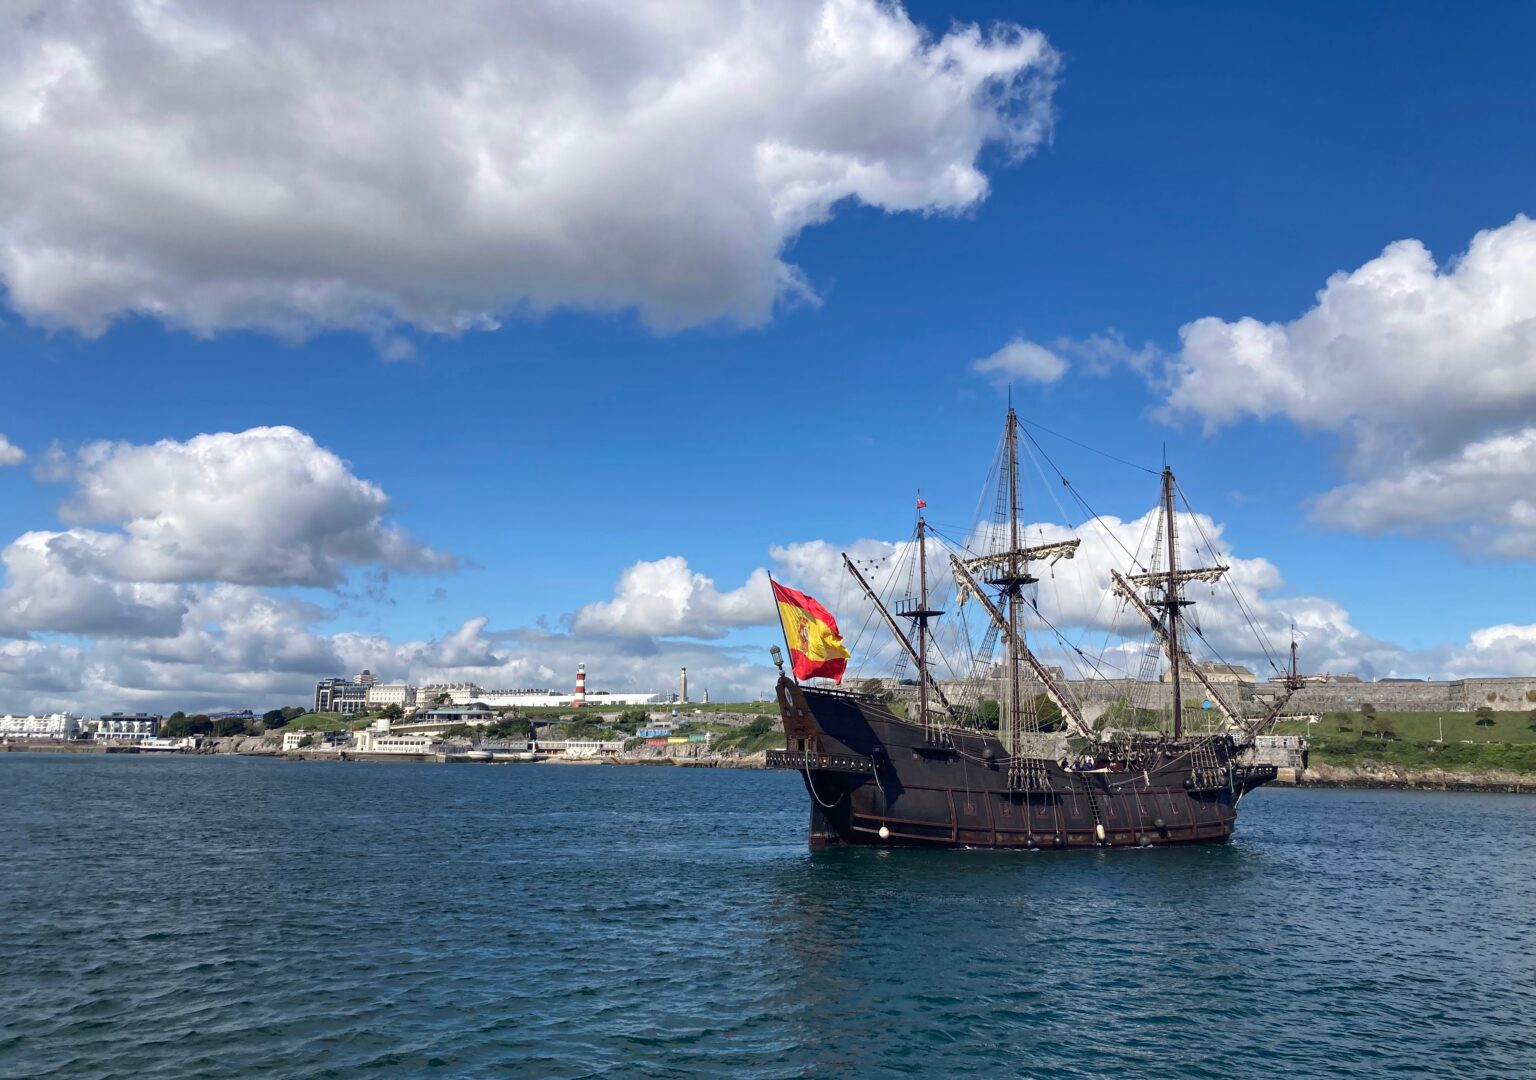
(294, 168)
(173, 586)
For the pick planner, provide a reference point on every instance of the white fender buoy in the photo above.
(885, 834)
(1098, 830)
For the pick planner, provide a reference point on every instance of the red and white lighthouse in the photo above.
(580, 699)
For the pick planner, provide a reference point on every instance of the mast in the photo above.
(922, 622)
(1171, 604)
(901, 639)
(1007, 571)
(1069, 709)
(1015, 587)
(919, 612)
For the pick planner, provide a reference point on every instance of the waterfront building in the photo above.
(380, 740)
(575, 748)
(57, 726)
(292, 739)
(124, 727)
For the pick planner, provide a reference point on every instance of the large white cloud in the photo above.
(1393, 350)
(1428, 372)
(297, 166)
(10, 453)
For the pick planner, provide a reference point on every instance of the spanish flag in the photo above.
(816, 650)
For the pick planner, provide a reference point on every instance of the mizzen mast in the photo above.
(1171, 601)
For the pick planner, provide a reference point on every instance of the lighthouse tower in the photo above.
(580, 700)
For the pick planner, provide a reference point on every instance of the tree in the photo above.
(1367, 710)
(989, 713)
(393, 711)
(1484, 716)
(230, 725)
(631, 719)
(759, 727)
(1048, 713)
(177, 726)
(274, 718)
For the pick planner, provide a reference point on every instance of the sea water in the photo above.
(202, 917)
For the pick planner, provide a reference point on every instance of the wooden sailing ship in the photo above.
(931, 771)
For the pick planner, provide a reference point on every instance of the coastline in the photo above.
(1320, 775)
(1398, 778)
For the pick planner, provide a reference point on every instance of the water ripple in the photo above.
(235, 917)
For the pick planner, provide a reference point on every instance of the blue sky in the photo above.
(1204, 161)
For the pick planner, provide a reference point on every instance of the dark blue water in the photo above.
(244, 917)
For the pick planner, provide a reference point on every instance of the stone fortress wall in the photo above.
(1516, 694)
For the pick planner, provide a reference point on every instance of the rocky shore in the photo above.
(1399, 777)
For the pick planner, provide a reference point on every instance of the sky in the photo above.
(472, 344)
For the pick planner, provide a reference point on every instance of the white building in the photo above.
(581, 748)
(382, 695)
(292, 739)
(60, 726)
(124, 727)
(373, 741)
(500, 699)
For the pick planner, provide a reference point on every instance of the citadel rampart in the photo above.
(1451, 695)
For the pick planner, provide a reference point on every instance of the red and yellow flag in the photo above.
(816, 649)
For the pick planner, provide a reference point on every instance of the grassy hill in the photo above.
(1507, 727)
(1413, 740)
(326, 721)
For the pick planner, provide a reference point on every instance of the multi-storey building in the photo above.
(124, 727)
(341, 695)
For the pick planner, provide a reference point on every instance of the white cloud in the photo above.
(1492, 651)
(1021, 359)
(267, 506)
(57, 581)
(1095, 354)
(1488, 486)
(665, 598)
(1429, 372)
(10, 454)
(1390, 350)
(294, 166)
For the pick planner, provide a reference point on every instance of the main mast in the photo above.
(1017, 577)
(1171, 604)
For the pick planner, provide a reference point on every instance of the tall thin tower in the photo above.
(682, 687)
(579, 701)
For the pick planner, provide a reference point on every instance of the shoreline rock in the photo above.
(1405, 779)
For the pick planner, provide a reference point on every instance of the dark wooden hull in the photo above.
(876, 779)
